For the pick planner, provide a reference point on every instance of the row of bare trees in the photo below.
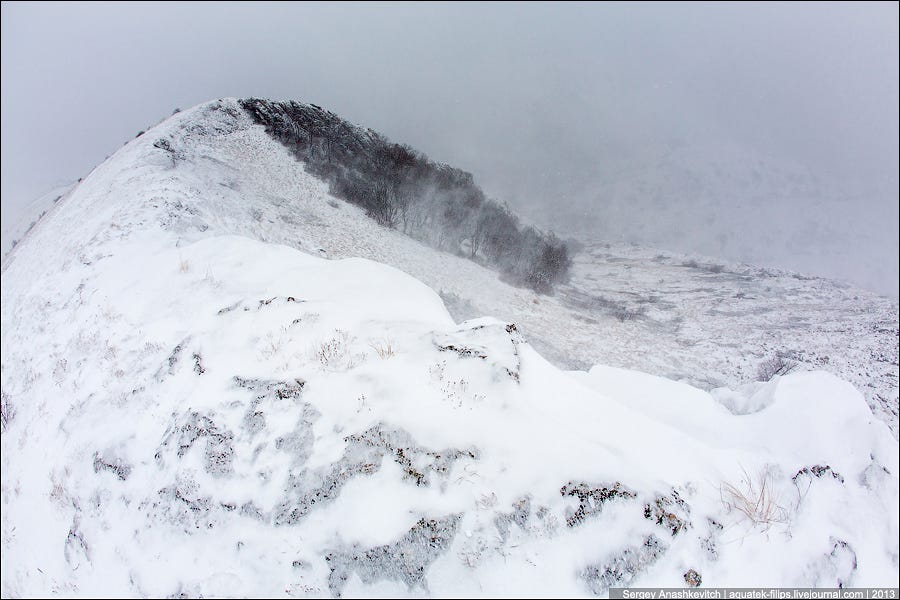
(401, 188)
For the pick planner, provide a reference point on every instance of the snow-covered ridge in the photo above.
(684, 317)
(191, 406)
(16, 228)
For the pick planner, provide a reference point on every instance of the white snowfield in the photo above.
(192, 406)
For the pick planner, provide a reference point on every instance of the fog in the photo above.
(766, 133)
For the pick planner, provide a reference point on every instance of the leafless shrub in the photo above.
(336, 353)
(272, 345)
(777, 365)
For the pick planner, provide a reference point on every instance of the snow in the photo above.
(714, 324)
(683, 317)
(16, 225)
(709, 324)
(725, 199)
(200, 403)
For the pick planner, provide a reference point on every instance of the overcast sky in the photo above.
(565, 111)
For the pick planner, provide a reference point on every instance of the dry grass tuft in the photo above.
(383, 348)
(756, 499)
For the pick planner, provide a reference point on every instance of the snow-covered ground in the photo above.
(16, 226)
(714, 324)
(710, 325)
(195, 403)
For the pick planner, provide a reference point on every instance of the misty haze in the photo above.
(351, 300)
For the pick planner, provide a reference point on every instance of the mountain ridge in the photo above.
(618, 296)
(196, 402)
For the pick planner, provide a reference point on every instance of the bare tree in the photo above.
(384, 208)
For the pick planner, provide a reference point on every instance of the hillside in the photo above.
(710, 324)
(204, 394)
(716, 324)
(400, 188)
(17, 226)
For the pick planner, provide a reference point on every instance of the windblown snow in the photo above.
(196, 401)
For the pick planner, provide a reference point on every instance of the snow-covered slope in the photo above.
(715, 324)
(711, 325)
(18, 223)
(192, 406)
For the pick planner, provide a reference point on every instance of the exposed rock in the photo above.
(192, 426)
(364, 455)
(171, 364)
(621, 569)
(116, 465)
(710, 543)
(835, 569)
(405, 560)
(199, 369)
(669, 511)
(265, 388)
(247, 306)
(519, 516)
(693, 578)
(592, 498)
(817, 471)
(474, 338)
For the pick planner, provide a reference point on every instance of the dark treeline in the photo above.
(401, 188)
